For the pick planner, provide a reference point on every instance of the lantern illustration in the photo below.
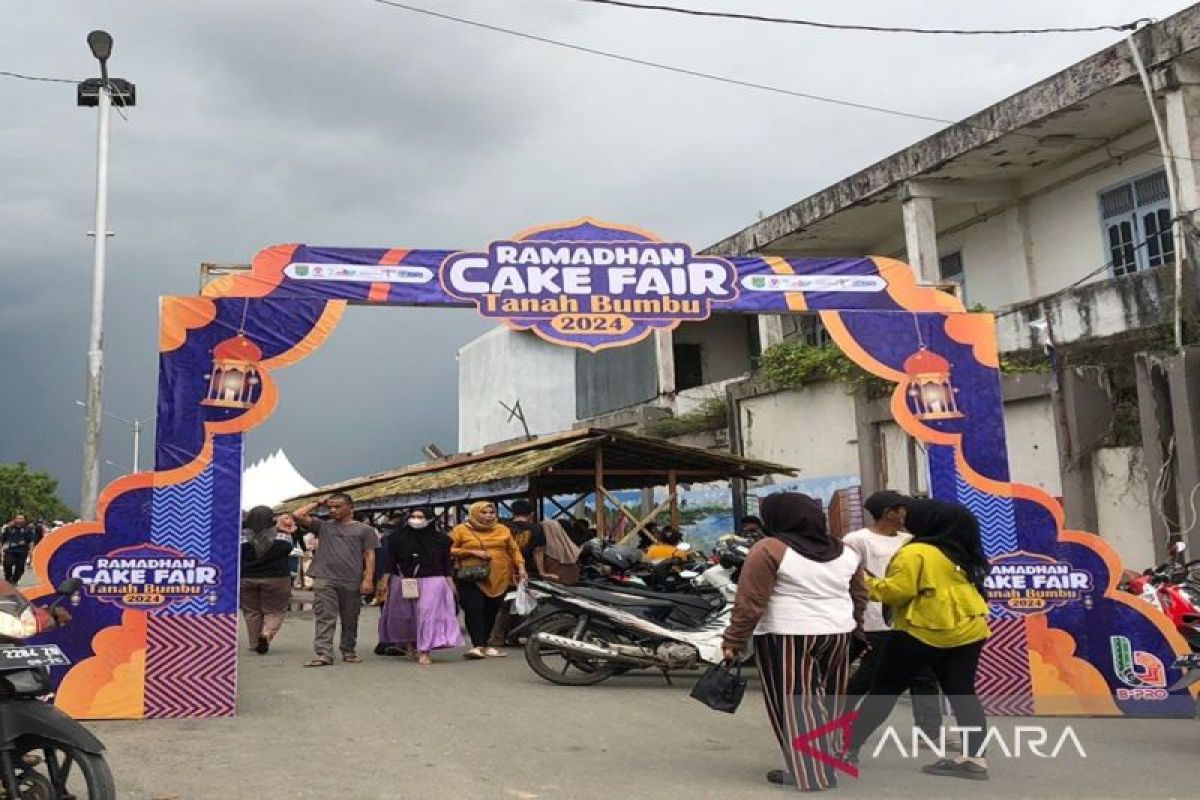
(234, 380)
(930, 392)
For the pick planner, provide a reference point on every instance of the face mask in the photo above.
(418, 523)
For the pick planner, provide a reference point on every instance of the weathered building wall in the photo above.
(1032, 448)
(900, 472)
(1094, 310)
(610, 380)
(1123, 504)
(724, 344)
(504, 365)
(993, 260)
(811, 428)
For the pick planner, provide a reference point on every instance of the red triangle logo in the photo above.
(805, 744)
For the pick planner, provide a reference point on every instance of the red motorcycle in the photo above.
(1173, 589)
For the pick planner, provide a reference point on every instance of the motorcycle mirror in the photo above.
(1178, 547)
(70, 586)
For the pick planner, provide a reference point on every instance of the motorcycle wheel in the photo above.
(568, 669)
(50, 771)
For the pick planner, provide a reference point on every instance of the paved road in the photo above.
(391, 729)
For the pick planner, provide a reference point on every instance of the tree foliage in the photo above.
(34, 494)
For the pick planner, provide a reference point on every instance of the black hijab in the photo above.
(259, 525)
(953, 529)
(798, 521)
(422, 548)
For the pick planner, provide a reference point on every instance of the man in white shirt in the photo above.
(876, 545)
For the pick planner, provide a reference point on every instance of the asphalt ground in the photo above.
(388, 728)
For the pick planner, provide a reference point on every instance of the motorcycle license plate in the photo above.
(33, 655)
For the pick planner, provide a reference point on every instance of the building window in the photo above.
(1136, 219)
(950, 267)
(805, 329)
(689, 369)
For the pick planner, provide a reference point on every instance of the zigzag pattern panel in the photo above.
(191, 666)
(1003, 682)
(182, 518)
(997, 518)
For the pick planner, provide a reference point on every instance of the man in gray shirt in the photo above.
(343, 570)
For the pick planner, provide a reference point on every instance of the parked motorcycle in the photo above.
(1173, 589)
(44, 753)
(582, 635)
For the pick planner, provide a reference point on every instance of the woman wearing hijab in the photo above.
(934, 588)
(555, 556)
(428, 621)
(266, 588)
(801, 595)
(482, 541)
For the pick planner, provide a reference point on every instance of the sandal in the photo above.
(474, 654)
(320, 662)
(956, 769)
(351, 658)
(424, 660)
(492, 652)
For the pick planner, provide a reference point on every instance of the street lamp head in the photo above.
(101, 44)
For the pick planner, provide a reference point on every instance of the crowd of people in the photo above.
(420, 574)
(903, 599)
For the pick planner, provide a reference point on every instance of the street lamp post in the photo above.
(98, 93)
(135, 427)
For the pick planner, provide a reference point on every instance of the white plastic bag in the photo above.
(524, 603)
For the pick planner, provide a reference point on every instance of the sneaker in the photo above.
(781, 777)
(956, 769)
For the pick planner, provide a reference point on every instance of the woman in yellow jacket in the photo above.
(934, 588)
(483, 541)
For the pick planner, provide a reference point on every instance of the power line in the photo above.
(40, 78)
(763, 87)
(1126, 26)
(669, 67)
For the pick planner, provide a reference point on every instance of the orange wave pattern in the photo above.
(266, 273)
(112, 683)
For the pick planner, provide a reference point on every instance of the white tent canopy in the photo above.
(270, 481)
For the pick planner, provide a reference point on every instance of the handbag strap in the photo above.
(482, 546)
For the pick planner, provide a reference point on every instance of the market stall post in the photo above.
(673, 491)
(601, 516)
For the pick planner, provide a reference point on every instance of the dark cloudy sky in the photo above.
(346, 122)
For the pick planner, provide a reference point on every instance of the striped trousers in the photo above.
(804, 682)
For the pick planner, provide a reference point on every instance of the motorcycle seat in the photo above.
(701, 602)
(620, 597)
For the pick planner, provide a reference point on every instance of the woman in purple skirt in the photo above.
(417, 589)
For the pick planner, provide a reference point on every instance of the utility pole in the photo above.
(98, 93)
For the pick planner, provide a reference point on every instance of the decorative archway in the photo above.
(156, 632)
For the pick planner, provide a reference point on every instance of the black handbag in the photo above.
(474, 574)
(721, 688)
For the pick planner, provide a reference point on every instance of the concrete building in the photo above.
(1052, 209)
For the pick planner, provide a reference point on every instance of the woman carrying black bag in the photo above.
(801, 595)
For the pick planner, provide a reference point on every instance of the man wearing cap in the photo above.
(876, 545)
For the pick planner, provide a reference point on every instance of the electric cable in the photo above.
(695, 73)
(1125, 26)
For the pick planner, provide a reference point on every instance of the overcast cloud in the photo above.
(345, 122)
